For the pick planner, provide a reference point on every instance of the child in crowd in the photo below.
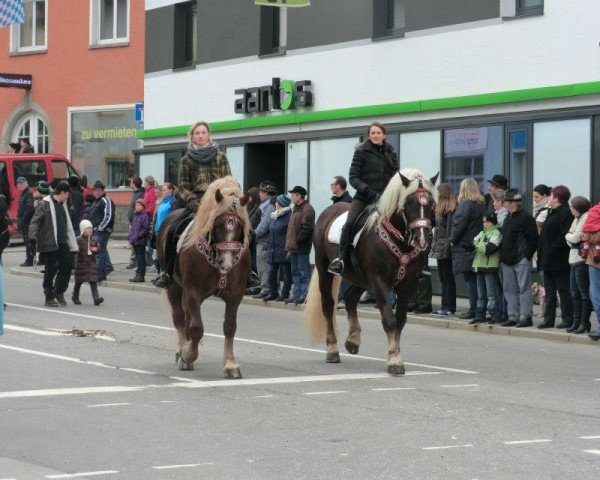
(276, 254)
(138, 237)
(86, 269)
(486, 265)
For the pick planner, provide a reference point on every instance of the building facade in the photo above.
(86, 62)
(469, 89)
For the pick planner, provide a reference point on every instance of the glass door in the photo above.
(520, 168)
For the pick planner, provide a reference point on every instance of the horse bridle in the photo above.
(423, 198)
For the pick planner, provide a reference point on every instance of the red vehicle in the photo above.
(34, 167)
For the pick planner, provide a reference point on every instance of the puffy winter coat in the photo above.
(370, 172)
(466, 224)
(277, 232)
(440, 246)
(138, 233)
(487, 250)
(573, 238)
(86, 269)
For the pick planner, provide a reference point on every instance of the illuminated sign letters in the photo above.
(280, 95)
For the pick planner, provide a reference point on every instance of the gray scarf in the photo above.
(203, 154)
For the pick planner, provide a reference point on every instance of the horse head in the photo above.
(419, 208)
(227, 234)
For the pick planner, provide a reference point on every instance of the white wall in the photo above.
(559, 47)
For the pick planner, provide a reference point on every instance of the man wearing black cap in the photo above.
(24, 214)
(267, 193)
(298, 242)
(53, 233)
(102, 216)
(497, 182)
(519, 243)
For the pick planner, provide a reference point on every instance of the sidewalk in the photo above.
(120, 253)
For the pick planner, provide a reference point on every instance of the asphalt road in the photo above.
(112, 404)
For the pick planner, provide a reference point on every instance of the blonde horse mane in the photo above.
(209, 209)
(395, 194)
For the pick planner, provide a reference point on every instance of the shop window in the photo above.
(389, 18)
(109, 22)
(421, 150)
(273, 30)
(173, 159)
(235, 155)
(562, 153)
(529, 7)
(185, 53)
(119, 169)
(33, 170)
(30, 36)
(472, 152)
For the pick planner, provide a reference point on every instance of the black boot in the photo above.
(139, 278)
(95, 295)
(162, 281)
(337, 265)
(75, 295)
(586, 312)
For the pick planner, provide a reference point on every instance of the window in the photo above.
(33, 170)
(389, 18)
(273, 30)
(185, 53)
(472, 152)
(61, 170)
(530, 7)
(30, 36)
(34, 128)
(109, 22)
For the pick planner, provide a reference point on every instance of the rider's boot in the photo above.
(337, 265)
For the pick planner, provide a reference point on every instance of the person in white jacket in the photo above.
(580, 280)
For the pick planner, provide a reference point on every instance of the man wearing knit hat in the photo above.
(53, 232)
(24, 214)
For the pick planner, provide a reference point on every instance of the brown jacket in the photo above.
(300, 229)
(85, 268)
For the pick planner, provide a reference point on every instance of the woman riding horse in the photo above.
(199, 167)
(373, 165)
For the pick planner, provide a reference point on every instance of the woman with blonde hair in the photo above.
(440, 247)
(466, 224)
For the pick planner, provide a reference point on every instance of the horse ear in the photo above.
(405, 181)
(434, 178)
(244, 200)
(218, 196)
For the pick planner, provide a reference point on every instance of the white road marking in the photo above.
(188, 465)
(445, 447)
(391, 389)
(237, 339)
(595, 452)
(524, 442)
(333, 392)
(591, 437)
(35, 331)
(137, 370)
(460, 386)
(82, 474)
(70, 391)
(264, 396)
(108, 405)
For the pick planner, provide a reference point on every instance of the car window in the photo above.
(4, 188)
(61, 170)
(33, 170)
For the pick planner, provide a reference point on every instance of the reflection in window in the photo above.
(273, 30)
(31, 34)
(472, 152)
(110, 21)
(526, 7)
(33, 171)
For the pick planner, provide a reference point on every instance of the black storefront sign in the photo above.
(280, 95)
(13, 80)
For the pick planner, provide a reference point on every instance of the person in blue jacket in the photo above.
(275, 251)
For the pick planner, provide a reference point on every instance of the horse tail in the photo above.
(314, 317)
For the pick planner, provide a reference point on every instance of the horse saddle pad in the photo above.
(335, 230)
(183, 235)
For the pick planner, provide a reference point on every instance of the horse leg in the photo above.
(328, 306)
(195, 331)
(231, 368)
(395, 364)
(176, 298)
(351, 299)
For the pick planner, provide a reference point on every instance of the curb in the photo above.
(421, 319)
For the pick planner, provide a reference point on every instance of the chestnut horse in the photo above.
(388, 256)
(213, 260)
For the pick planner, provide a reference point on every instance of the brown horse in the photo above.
(388, 256)
(213, 260)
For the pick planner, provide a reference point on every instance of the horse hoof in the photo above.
(333, 357)
(396, 370)
(351, 348)
(185, 365)
(233, 373)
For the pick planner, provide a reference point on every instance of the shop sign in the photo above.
(12, 80)
(465, 141)
(280, 95)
